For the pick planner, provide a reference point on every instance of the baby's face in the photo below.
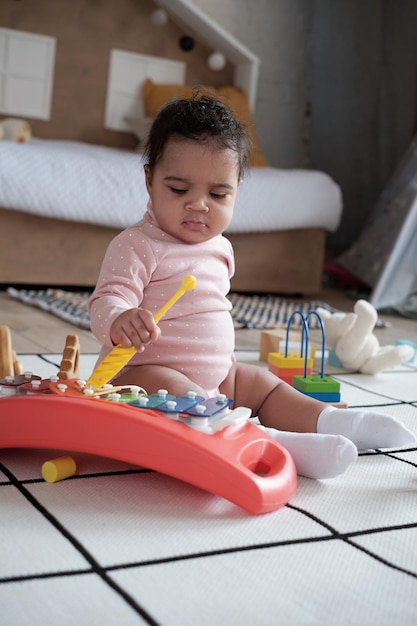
(193, 189)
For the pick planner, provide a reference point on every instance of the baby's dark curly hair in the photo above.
(202, 118)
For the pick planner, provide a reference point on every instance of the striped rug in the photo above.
(248, 311)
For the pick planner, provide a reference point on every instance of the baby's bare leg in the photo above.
(277, 404)
(155, 377)
(282, 408)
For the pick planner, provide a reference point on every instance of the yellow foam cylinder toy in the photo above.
(58, 469)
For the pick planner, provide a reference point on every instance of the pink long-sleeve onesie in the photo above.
(144, 266)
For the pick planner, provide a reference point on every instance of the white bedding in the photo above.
(86, 183)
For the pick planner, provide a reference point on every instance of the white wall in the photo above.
(278, 32)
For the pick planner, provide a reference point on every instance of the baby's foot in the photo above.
(365, 429)
(316, 456)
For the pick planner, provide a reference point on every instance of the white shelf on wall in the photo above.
(127, 72)
(217, 38)
(26, 73)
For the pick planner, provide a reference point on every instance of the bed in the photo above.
(61, 202)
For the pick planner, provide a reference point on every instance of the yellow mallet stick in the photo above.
(117, 358)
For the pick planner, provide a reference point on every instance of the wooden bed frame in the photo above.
(50, 252)
(40, 251)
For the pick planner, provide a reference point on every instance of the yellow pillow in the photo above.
(155, 96)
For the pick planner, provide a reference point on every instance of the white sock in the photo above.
(316, 456)
(365, 429)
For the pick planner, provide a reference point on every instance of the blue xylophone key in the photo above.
(212, 406)
(181, 404)
(153, 401)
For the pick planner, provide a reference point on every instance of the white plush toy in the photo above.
(13, 129)
(351, 336)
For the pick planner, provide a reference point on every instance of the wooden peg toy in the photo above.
(70, 363)
(9, 365)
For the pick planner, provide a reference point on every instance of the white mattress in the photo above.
(87, 183)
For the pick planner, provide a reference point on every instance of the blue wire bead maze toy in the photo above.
(321, 387)
(286, 365)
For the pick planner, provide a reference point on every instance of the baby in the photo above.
(196, 157)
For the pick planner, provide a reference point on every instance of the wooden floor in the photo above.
(35, 331)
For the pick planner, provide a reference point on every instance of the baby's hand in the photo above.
(135, 327)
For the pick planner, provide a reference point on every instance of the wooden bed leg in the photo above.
(70, 363)
(9, 365)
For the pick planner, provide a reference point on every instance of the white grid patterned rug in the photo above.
(117, 544)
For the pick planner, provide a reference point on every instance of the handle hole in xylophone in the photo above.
(263, 458)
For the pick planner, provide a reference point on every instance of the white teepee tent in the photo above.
(385, 254)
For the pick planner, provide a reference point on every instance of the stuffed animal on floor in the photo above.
(13, 129)
(351, 336)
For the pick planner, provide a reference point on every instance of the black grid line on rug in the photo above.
(332, 534)
(385, 546)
